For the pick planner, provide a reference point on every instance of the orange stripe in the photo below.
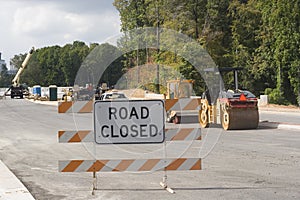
(87, 108)
(170, 103)
(97, 166)
(149, 164)
(182, 134)
(192, 105)
(123, 165)
(63, 107)
(79, 136)
(72, 166)
(197, 165)
(60, 133)
(176, 164)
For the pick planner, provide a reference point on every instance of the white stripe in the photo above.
(67, 136)
(77, 106)
(196, 132)
(89, 137)
(135, 165)
(110, 165)
(188, 164)
(62, 164)
(170, 134)
(85, 165)
(180, 104)
(162, 164)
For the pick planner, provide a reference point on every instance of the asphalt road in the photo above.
(280, 116)
(249, 164)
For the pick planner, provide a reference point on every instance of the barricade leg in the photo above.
(94, 182)
(164, 183)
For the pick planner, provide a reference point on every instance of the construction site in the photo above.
(178, 100)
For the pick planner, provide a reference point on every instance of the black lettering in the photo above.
(142, 130)
(112, 111)
(123, 113)
(133, 113)
(144, 112)
(112, 132)
(153, 130)
(122, 132)
(134, 131)
(102, 131)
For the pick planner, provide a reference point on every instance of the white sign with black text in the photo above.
(128, 122)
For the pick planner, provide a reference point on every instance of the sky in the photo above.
(41, 23)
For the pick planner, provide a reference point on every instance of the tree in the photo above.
(279, 48)
(246, 20)
(5, 78)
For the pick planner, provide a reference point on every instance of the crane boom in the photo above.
(16, 79)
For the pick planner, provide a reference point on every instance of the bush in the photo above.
(276, 96)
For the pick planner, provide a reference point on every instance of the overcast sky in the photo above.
(40, 23)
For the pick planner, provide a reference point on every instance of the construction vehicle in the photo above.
(234, 109)
(17, 89)
(101, 90)
(179, 89)
(67, 94)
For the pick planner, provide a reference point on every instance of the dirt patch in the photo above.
(134, 93)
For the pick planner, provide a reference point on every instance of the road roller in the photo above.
(233, 109)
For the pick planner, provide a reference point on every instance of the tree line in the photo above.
(260, 36)
(56, 65)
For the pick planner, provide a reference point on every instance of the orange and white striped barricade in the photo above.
(170, 104)
(130, 165)
(180, 134)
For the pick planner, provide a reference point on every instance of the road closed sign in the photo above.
(129, 122)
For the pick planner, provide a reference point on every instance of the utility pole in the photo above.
(157, 44)
(298, 96)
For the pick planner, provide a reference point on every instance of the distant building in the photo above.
(2, 62)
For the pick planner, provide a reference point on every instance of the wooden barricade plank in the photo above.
(75, 107)
(130, 165)
(182, 134)
(87, 106)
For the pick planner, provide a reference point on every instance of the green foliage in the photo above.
(5, 78)
(59, 65)
(261, 36)
(275, 96)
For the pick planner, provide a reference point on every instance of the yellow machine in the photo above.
(177, 89)
(233, 109)
(68, 94)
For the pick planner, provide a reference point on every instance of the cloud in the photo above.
(49, 22)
